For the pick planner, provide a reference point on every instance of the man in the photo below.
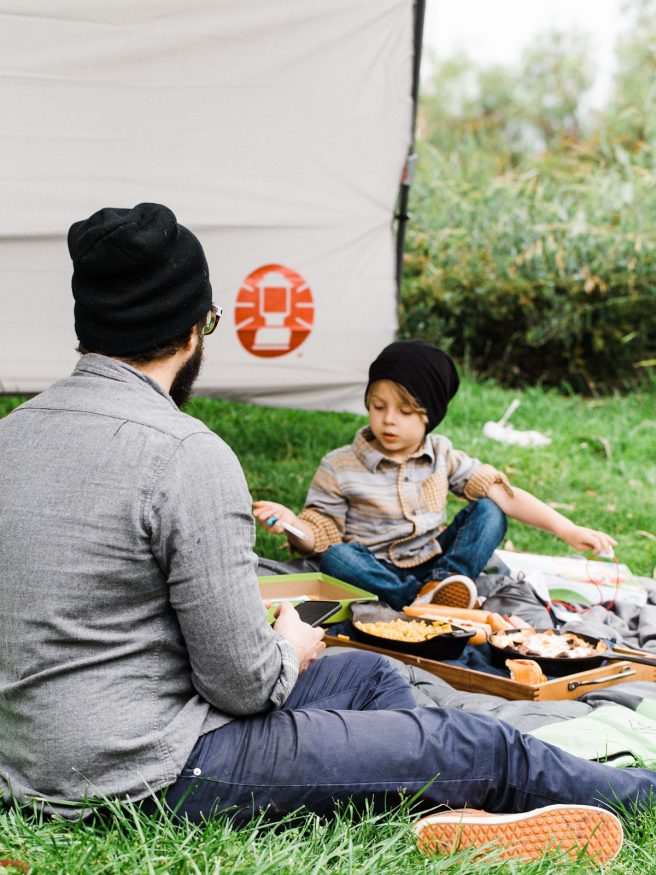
(135, 654)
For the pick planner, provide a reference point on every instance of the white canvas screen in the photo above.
(276, 131)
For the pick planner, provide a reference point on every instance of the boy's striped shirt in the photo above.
(396, 509)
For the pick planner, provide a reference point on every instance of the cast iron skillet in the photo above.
(449, 645)
(560, 665)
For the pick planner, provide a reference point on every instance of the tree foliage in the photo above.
(504, 112)
(630, 119)
(532, 253)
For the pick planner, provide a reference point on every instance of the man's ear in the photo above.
(192, 341)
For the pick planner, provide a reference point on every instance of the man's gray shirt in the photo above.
(130, 617)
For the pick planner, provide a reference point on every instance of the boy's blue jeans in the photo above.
(467, 544)
(351, 730)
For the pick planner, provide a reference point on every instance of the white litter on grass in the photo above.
(506, 434)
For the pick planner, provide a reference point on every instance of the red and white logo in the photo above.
(274, 312)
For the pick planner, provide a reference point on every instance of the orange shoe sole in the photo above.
(453, 595)
(559, 829)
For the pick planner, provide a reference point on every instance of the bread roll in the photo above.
(525, 671)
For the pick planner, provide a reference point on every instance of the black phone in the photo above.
(315, 613)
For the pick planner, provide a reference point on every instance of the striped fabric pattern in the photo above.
(396, 509)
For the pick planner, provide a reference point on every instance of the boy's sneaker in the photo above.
(559, 829)
(456, 591)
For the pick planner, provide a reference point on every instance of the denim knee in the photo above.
(340, 553)
(361, 663)
(493, 518)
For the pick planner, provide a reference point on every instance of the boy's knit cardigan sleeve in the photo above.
(325, 507)
(471, 478)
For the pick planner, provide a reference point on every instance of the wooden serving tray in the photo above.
(568, 687)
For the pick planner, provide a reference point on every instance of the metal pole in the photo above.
(402, 216)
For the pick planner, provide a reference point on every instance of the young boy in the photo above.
(375, 510)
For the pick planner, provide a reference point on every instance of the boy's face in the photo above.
(398, 428)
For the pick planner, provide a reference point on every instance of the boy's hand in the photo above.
(265, 510)
(270, 515)
(584, 540)
(526, 508)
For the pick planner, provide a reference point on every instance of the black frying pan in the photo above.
(560, 665)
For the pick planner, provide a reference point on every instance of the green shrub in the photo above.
(541, 276)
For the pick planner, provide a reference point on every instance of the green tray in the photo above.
(317, 585)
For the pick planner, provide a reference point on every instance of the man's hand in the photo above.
(583, 540)
(305, 639)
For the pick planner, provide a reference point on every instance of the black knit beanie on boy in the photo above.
(140, 280)
(424, 370)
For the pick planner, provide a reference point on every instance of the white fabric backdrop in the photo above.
(276, 131)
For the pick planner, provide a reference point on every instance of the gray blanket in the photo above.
(627, 624)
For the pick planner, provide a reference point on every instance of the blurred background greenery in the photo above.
(531, 255)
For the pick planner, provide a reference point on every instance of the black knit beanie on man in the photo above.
(425, 371)
(140, 280)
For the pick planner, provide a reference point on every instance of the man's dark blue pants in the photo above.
(351, 730)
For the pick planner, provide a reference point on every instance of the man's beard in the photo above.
(183, 382)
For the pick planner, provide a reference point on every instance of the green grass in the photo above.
(599, 469)
(370, 844)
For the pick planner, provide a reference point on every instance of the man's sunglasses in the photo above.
(213, 319)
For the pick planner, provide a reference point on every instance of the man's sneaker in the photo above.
(557, 829)
(456, 591)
